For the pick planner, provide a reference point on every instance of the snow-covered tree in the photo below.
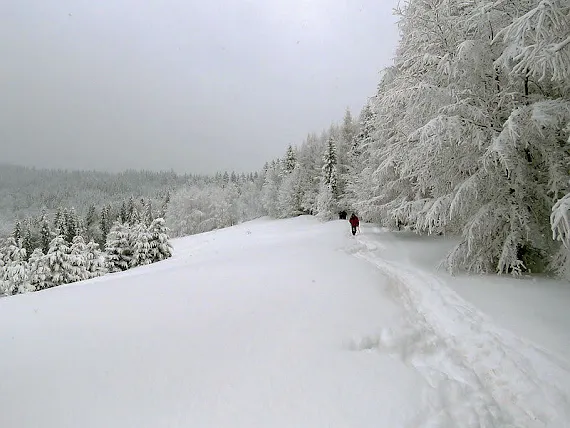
(38, 268)
(105, 222)
(71, 224)
(45, 233)
(119, 248)
(15, 271)
(290, 161)
(141, 238)
(330, 176)
(59, 261)
(270, 191)
(160, 248)
(327, 201)
(95, 262)
(78, 269)
(59, 223)
(291, 194)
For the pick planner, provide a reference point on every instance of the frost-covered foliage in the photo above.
(471, 132)
(468, 134)
(95, 260)
(79, 270)
(60, 263)
(39, 271)
(128, 245)
(158, 244)
(215, 204)
(14, 275)
(120, 247)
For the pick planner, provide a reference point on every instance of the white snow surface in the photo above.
(284, 323)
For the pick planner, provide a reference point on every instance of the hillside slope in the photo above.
(269, 323)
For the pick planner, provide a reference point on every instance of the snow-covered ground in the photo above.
(288, 323)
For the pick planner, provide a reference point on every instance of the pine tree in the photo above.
(347, 132)
(17, 232)
(123, 214)
(147, 212)
(59, 223)
(78, 269)
(130, 211)
(105, 222)
(291, 194)
(160, 248)
(141, 245)
(27, 239)
(327, 202)
(290, 160)
(71, 224)
(39, 272)
(95, 262)
(90, 223)
(119, 248)
(164, 207)
(15, 272)
(59, 262)
(45, 233)
(329, 166)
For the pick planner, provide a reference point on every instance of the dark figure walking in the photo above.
(354, 223)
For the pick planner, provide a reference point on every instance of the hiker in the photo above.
(354, 223)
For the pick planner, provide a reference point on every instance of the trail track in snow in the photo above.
(480, 375)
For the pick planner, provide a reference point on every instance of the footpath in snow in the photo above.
(481, 373)
(288, 323)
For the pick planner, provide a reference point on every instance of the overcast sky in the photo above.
(196, 86)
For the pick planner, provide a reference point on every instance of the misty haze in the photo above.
(197, 87)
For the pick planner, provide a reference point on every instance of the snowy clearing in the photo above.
(272, 323)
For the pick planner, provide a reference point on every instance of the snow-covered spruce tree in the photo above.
(92, 231)
(38, 269)
(147, 211)
(327, 202)
(45, 233)
(290, 160)
(78, 269)
(59, 223)
(119, 248)
(71, 224)
(59, 261)
(291, 193)
(160, 248)
(141, 238)
(27, 238)
(15, 272)
(105, 222)
(17, 232)
(95, 262)
(345, 137)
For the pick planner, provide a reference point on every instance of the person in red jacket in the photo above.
(354, 223)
